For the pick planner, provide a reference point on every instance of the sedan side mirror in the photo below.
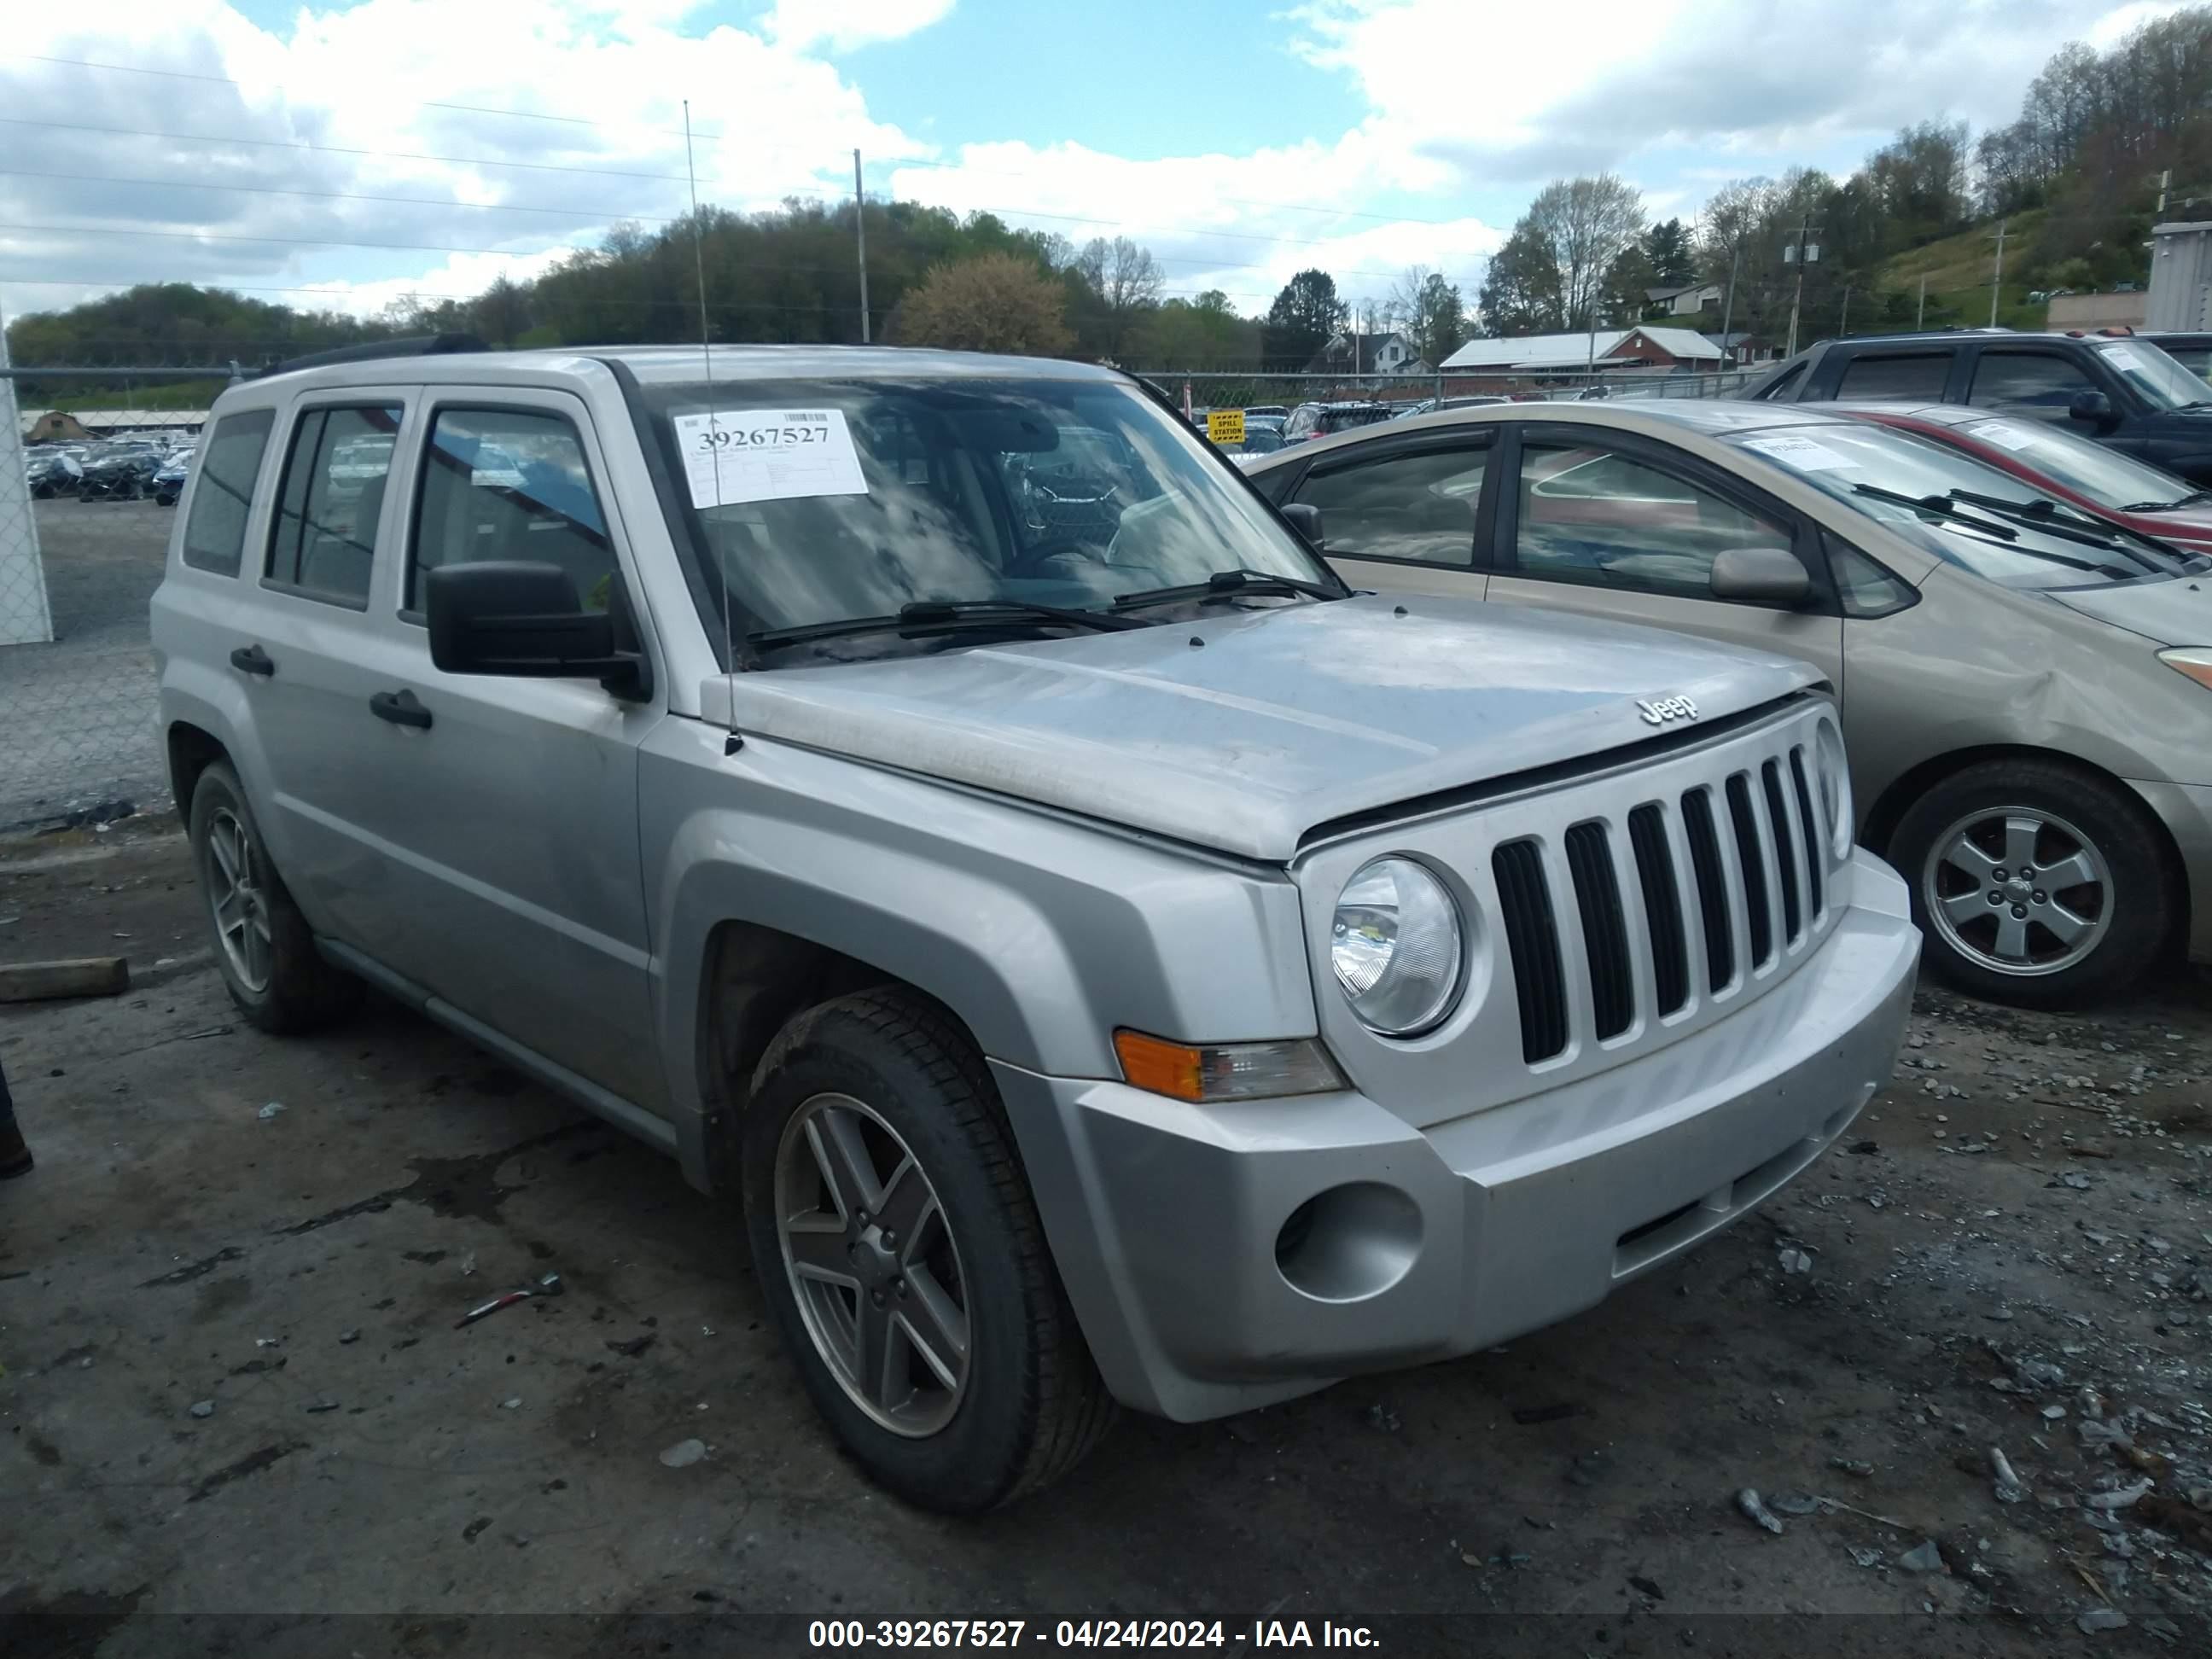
(2092, 409)
(1764, 575)
(1306, 521)
(525, 619)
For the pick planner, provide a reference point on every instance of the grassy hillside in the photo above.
(1958, 268)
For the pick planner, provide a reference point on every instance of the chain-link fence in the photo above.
(78, 733)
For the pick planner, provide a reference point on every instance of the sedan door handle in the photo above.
(251, 659)
(400, 707)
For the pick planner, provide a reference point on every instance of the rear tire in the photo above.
(2037, 882)
(263, 946)
(891, 1074)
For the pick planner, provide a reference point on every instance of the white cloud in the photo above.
(448, 141)
(1549, 96)
(844, 24)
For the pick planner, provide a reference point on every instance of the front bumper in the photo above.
(1165, 1218)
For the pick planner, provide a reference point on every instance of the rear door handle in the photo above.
(400, 707)
(251, 659)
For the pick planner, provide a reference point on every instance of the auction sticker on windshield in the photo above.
(1803, 453)
(732, 455)
(2004, 436)
(2122, 358)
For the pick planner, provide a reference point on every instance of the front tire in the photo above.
(899, 1250)
(263, 946)
(2036, 882)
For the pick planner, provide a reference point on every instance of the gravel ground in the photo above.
(80, 713)
(232, 1383)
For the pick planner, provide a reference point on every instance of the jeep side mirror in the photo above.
(2092, 409)
(1765, 575)
(525, 619)
(1305, 519)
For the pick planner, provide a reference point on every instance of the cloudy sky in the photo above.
(345, 154)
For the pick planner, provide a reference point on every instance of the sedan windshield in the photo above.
(2164, 383)
(2099, 472)
(2002, 547)
(840, 499)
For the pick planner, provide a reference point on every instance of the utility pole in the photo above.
(860, 228)
(1844, 322)
(1728, 306)
(1797, 255)
(1920, 318)
(1996, 285)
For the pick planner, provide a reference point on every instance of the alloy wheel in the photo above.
(240, 907)
(872, 1265)
(2018, 890)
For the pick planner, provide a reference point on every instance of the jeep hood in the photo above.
(1283, 719)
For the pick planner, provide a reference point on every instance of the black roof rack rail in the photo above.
(419, 345)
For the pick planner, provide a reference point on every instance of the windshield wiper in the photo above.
(2194, 498)
(1941, 505)
(943, 616)
(1231, 584)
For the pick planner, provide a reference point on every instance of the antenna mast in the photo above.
(707, 354)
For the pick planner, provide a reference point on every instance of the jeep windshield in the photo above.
(812, 502)
(1926, 492)
(2161, 382)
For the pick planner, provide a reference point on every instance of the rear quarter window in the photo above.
(230, 460)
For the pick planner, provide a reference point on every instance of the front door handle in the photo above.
(400, 707)
(251, 659)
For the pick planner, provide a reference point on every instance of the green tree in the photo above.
(1521, 291)
(1583, 225)
(1673, 258)
(1304, 314)
(994, 302)
(1431, 312)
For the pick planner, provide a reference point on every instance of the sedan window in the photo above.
(2039, 385)
(1418, 507)
(1591, 515)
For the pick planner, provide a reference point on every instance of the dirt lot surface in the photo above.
(234, 1382)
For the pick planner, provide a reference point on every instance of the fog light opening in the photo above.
(1349, 1242)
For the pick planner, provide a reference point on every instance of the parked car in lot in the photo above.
(119, 472)
(1110, 961)
(51, 472)
(168, 480)
(1320, 420)
(2061, 466)
(2122, 390)
(2193, 351)
(2024, 687)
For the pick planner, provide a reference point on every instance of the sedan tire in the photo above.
(899, 1250)
(264, 947)
(2036, 882)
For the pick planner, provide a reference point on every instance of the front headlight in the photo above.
(2194, 660)
(1835, 774)
(1395, 944)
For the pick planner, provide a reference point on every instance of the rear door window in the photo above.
(2039, 385)
(215, 529)
(323, 543)
(1890, 376)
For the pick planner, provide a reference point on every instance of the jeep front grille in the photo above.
(1654, 889)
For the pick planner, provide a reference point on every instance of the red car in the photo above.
(2055, 463)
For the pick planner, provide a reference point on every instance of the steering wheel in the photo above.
(1028, 563)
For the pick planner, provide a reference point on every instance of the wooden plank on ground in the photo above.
(79, 976)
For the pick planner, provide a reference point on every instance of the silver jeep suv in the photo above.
(1112, 961)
